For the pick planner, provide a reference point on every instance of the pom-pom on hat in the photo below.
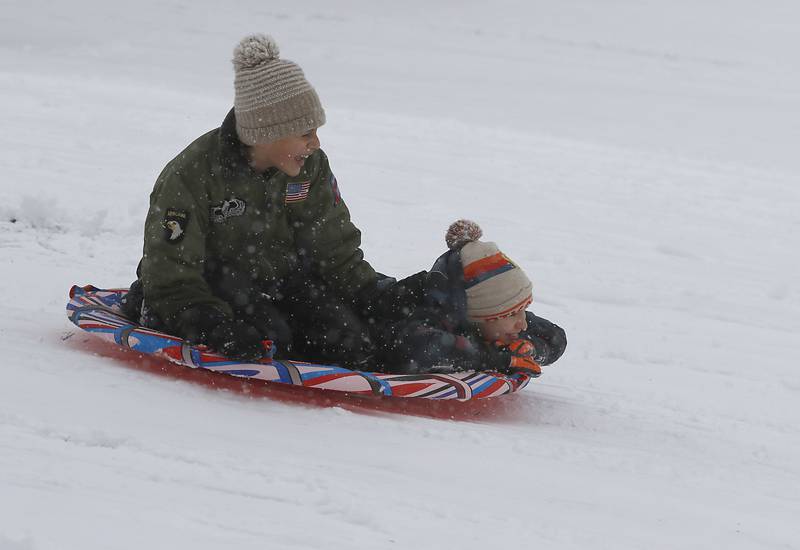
(496, 287)
(273, 98)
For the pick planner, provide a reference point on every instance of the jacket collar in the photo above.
(233, 153)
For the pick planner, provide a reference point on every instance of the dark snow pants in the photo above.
(312, 323)
(306, 322)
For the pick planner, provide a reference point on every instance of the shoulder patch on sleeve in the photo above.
(337, 196)
(175, 223)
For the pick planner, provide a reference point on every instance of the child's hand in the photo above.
(237, 340)
(521, 348)
(534, 347)
(522, 356)
(526, 364)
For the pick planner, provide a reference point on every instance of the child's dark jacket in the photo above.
(425, 327)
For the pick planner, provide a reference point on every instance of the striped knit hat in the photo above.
(273, 98)
(496, 287)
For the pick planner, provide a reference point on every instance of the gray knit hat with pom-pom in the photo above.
(273, 98)
(496, 287)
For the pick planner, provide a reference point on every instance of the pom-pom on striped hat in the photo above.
(273, 98)
(496, 287)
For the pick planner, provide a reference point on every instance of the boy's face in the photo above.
(286, 154)
(504, 330)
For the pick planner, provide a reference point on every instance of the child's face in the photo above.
(286, 154)
(504, 330)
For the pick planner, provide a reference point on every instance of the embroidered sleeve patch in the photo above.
(337, 196)
(296, 192)
(227, 209)
(174, 224)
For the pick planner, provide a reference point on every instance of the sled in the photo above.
(97, 311)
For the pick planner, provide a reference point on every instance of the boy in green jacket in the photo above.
(247, 237)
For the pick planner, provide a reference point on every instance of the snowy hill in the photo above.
(637, 158)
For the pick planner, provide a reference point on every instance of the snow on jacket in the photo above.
(424, 327)
(213, 220)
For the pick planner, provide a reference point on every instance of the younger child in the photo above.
(467, 313)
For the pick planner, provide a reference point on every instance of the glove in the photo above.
(521, 347)
(205, 324)
(525, 364)
(237, 340)
(523, 357)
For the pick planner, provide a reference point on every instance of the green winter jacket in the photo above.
(213, 220)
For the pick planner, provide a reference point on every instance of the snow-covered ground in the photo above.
(638, 158)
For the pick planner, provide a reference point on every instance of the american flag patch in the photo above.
(337, 196)
(296, 192)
